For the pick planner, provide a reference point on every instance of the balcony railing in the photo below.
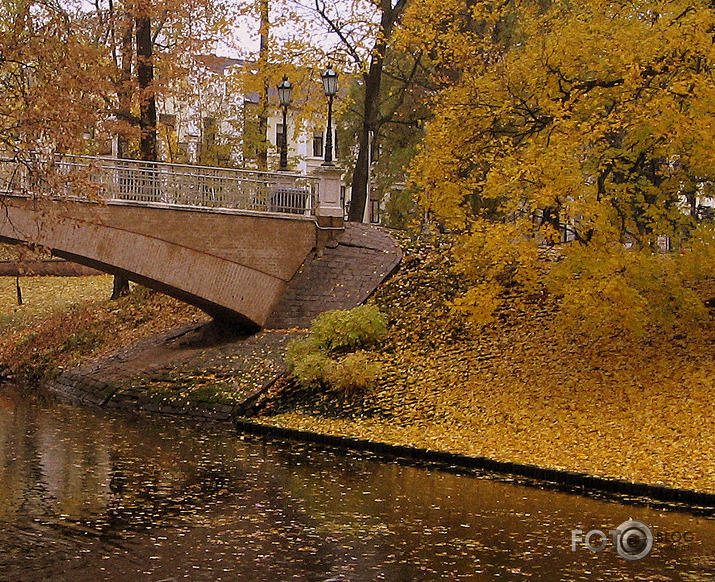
(158, 183)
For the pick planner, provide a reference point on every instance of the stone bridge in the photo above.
(228, 241)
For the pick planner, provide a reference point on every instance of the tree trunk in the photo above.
(371, 109)
(120, 288)
(361, 175)
(370, 124)
(18, 290)
(263, 103)
(147, 101)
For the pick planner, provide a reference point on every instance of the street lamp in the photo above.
(330, 87)
(285, 96)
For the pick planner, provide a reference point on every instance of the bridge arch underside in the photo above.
(233, 265)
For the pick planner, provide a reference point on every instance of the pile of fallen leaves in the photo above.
(216, 372)
(9, 252)
(42, 344)
(525, 389)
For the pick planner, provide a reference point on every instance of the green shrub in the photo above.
(297, 350)
(347, 331)
(325, 358)
(353, 373)
(311, 369)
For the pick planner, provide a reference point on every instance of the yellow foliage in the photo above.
(522, 390)
(490, 258)
(479, 302)
(595, 117)
(353, 372)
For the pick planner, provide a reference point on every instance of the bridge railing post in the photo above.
(330, 212)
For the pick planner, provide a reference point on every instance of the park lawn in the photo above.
(44, 297)
(66, 321)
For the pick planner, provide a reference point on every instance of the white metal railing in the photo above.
(92, 179)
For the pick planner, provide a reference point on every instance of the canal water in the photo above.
(88, 496)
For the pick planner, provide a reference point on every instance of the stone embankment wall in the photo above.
(340, 276)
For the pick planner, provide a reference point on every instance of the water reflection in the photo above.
(87, 496)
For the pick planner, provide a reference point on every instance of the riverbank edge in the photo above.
(671, 498)
(691, 501)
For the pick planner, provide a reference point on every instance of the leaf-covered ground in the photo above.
(152, 346)
(68, 320)
(525, 390)
(44, 297)
(10, 252)
(206, 373)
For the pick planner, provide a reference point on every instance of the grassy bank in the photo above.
(45, 297)
(524, 390)
(70, 320)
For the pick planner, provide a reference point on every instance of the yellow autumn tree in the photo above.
(52, 76)
(588, 122)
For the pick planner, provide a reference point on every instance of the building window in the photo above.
(279, 135)
(318, 144)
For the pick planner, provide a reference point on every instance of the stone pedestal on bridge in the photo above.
(330, 214)
(330, 206)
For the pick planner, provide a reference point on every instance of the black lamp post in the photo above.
(285, 96)
(330, 87)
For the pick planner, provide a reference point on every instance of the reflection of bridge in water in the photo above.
(223, 239)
